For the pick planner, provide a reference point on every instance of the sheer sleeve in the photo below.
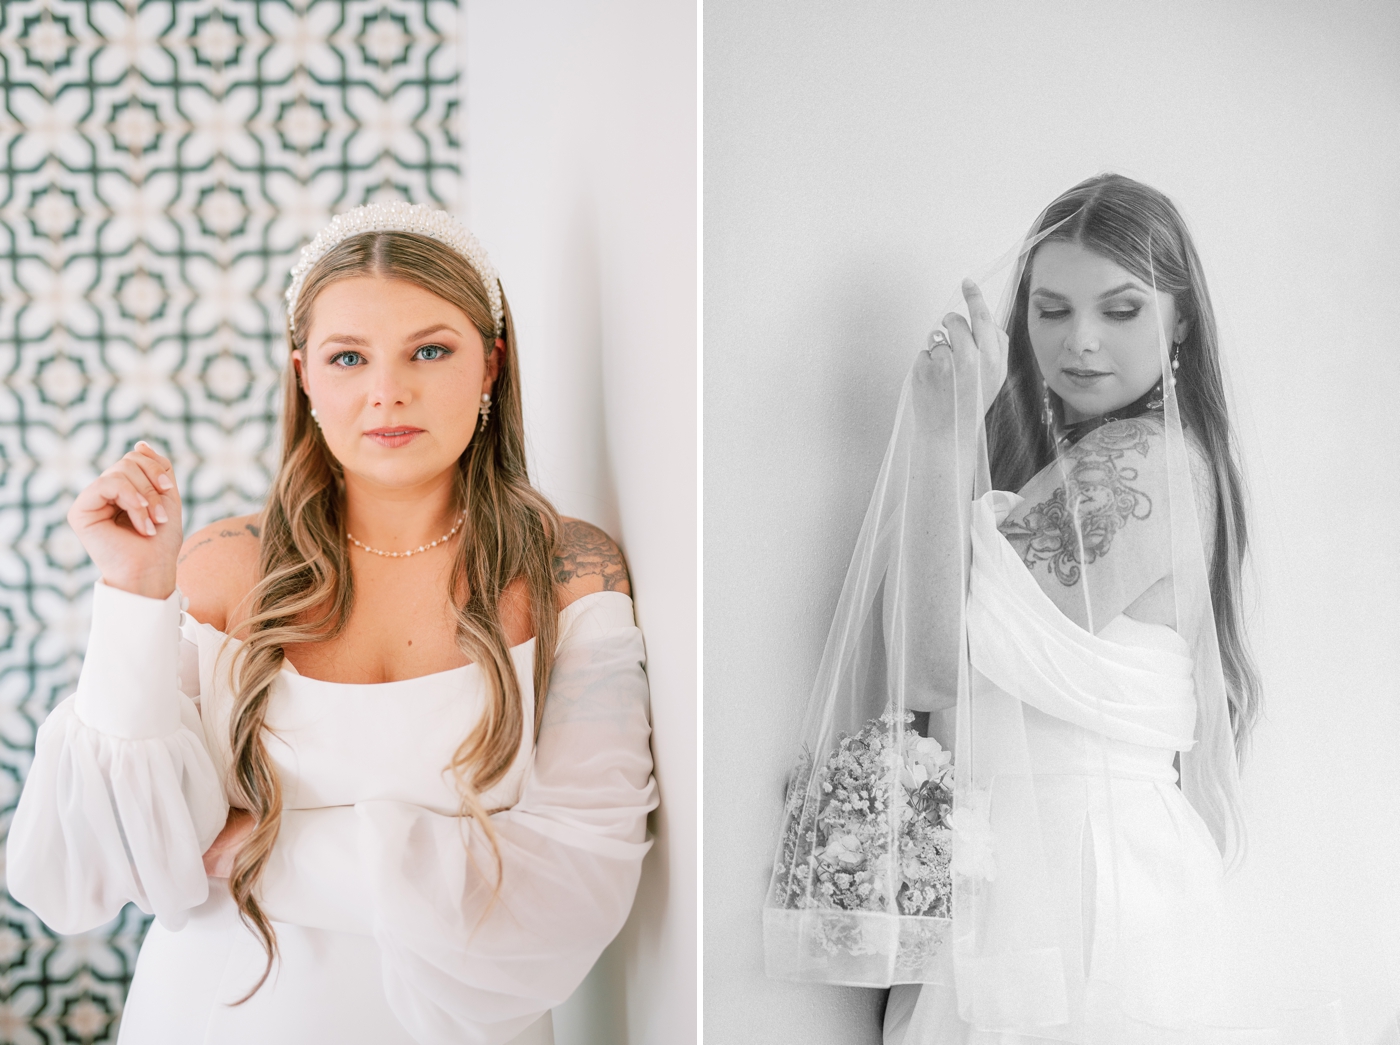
(462, 963)
(122, 798)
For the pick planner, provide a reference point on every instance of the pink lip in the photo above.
(399, 435)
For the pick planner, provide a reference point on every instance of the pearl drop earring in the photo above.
(485, 409)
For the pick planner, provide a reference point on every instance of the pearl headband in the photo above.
(399, 216)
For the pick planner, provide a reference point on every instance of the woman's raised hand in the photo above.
(962, 359)
(986, 338)
(129, 520)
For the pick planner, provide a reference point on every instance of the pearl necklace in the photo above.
(421, 548)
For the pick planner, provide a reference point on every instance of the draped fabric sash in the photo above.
(1021, 642)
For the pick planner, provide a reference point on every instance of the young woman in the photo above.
(376, 757)
(1076, 642)
(1104, 629)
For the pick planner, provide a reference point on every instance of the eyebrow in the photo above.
(1043, 293)
(359, 342)
(431, 330)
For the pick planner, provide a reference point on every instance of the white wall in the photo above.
(859, 159)
(581, 155)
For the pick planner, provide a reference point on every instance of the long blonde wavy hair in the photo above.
(305, 591)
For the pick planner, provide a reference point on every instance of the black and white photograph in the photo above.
(1050, 362)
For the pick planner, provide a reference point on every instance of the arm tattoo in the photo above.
(1076, 526)
(586, 551)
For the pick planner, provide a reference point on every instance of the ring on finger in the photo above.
(938, 338)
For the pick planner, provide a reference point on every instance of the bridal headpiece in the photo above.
(399, 216)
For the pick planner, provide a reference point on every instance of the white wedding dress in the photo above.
(379, 891)
(1134, 879)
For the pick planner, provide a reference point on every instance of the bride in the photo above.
(1079, 645)
(376, 757)
(1080, 594)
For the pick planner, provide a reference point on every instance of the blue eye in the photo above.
(347, 359)
(430, 352)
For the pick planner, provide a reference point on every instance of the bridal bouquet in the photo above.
(836, 850)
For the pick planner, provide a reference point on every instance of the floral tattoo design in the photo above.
(1076, 526)
(585, 550)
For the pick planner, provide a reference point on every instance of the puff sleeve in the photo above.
(122, 798)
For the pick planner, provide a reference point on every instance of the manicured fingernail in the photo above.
(144, 503)
(150, 528)
(163, 481)
(161, 517)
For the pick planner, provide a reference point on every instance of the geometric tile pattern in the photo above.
(161, 163)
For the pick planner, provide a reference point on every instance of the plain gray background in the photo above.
(859, 158)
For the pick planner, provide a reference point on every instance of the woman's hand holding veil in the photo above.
(129, 521)
(956, 379)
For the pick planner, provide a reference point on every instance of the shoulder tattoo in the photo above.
(192, 549)
(224, 531)
(586, 551)
(1077, 524)
(247, 529)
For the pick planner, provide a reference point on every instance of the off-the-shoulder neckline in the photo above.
(289, 669)
(1034, 592)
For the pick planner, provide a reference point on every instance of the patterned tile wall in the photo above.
(163, 162)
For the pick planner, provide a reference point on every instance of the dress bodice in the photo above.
(333, 743)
